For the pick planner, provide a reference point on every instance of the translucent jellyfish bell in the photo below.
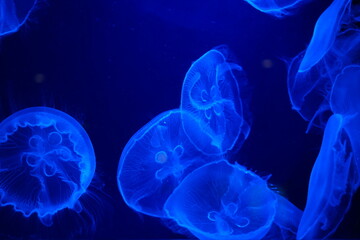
(46, 162)
(333, 180)
(224, 201)
(309, 91)
(325, 32)
(13, 14)
(211, 94)
(345, 100)
(154, 162)
(345, 97)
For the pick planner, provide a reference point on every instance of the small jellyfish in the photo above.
(46, 162)
(224, 201)
(333, 180)
(325, 32)
(277, 8)
(154, 162)
(211, 94)
(309, 91)
(13, 14)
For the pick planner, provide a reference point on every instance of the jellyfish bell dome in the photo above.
(47, 162)
(154, 162)
(223, 201)
(211, 93)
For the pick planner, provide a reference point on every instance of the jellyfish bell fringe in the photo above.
(277, 8)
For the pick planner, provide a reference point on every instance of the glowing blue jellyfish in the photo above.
(224, 201)
(46, 162)
(13, 14)
(325, 31)
(277, 8)
(345, 99)
(211, 94)
(154, 162)
(333, 180)
(309, 90)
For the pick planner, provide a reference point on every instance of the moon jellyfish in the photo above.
(333, 180)
(345, 99)
(224, 201)
(309, 91)
(154, 162)
(326, 29)
(277, 8)
(46, 162)
(13, 14)
(211, 94)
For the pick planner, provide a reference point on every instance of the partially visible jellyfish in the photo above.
(46, 162)
(224, 201)
(345, 100)
(333, 180)
(325, 31)
(211, 94)
(309, 90)
(277, 8)
(13, 14)
(154, 162)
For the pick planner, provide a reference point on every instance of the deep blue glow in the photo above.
(13, 14)
(333, 180)
(154, 162)
(344, 100)
(345, 97)
(277, 8)
(211, 94)
(309, 91)
(224, 201)
(46, 162)
(325, 31)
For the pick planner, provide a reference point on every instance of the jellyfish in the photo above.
(46, 162)
(309, 90)
(345, 101)
(325, 31)
(13, 14)
(333, 180)
(277, 8)
(224, 201)
(154, 162)
(211, 94)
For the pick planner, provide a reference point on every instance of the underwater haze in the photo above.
(183, 119)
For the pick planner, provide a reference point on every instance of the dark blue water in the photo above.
(114, 65)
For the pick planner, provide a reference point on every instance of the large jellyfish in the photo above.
(344, 100)
(277, 8)
(13, 14)
(154, 162)
(224, 201)
(46, 162)
(309, 90)
(333, 180)
(211, 94)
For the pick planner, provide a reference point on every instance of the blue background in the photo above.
(114, 65)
